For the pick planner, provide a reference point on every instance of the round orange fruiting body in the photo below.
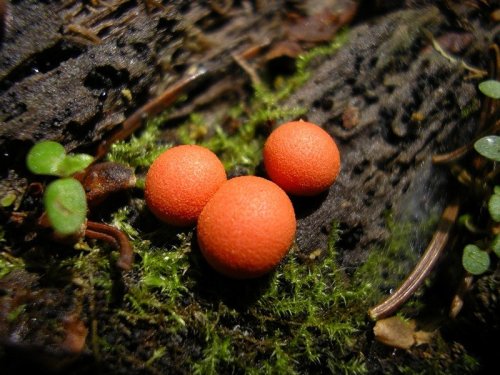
(181, 181)
(301, 158)
(247, 227)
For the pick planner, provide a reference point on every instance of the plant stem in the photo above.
(114, 237)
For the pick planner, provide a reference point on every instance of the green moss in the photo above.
(8, 263)
(470, 109)
(388, 265)
(157, 354)
(219, 349)
(161, 271)
(140, 151)
(318, 311)
(284, 88)
(305, 315)
(14, 314)
(92, 270)
(243, 147)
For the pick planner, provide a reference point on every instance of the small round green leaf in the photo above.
(475, 260)
(489, 147)
(494, 207)
(495, 245)
(74, 163)
(45, 158)
(66, 205)
(490, 88)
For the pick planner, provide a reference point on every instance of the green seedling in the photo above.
(66, 205)
(64, 199)
(489, 147)
(50, 158)
(476, 259)
(490, 88)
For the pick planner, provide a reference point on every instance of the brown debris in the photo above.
(453, 42)
(350, 117)
(400, 333)
(286, 48)
(102, 179)
(322, 25)
(495, 15)
(76, 334)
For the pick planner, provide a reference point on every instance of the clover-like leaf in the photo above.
(489, 147)
(45, 158)
(66, 205)
(74, 163)
(475, 260)
(495, 245)
(494, 207)
(490, 88)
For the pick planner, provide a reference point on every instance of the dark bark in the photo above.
(409, 103)
(64, 65)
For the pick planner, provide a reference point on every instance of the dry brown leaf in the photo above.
(395, 332)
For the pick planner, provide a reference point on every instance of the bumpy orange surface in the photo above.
(181, 181)
(247, 227)
(301, 158)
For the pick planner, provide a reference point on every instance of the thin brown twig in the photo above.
(84, 32)
(460, 152)
(476, 72)
(256, 81)
(458, 300)
(149, 109)
(422, 269)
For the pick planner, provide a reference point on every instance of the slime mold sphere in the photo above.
(181, 181)
(301, 158)
(247, 227)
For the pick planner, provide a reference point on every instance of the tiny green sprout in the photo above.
(494, 205)
(45, 158)
(475, 260)
(489, 147)
(64, 199)
(495, 245)
(490, 88)
(50, 158)
(74, 163)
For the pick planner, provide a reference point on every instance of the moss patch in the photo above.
(388, 265)
(8, 263)
(304, 316)
(242, 147)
